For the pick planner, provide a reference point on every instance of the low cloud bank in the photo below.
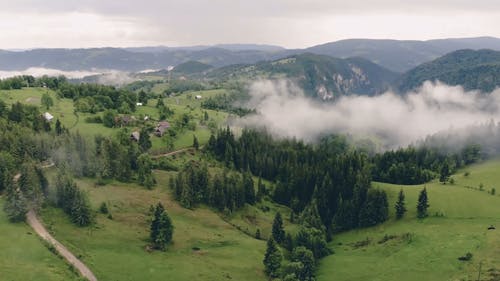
(40, 71)
(392, 119)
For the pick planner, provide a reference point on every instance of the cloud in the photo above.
(39, 71)
(392, 119)
(90, 23)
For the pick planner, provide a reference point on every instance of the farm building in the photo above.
(135, 136)
(161, 128)
(198, 97)
(48, 116)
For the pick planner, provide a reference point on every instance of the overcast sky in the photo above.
(289, 23)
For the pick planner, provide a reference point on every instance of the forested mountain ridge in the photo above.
(402, 55)
(474, 70)
(396, 55)
(319, 76)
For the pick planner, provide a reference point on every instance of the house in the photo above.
(146, 118)
(135, 136)
(48, 116)
(161, 128)
(198, 97)
(139, 104)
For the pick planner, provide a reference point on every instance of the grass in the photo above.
(116, 249)
(63, 110)
(458, 222)
(24, 256)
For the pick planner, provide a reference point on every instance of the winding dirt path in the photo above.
(38, 227)
(172, 153)
(34, 222)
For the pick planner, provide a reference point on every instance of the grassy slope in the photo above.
(186, 103)
(459, 217)
(115, 250)
(24, 257)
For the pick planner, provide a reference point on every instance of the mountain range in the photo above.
(395, 55)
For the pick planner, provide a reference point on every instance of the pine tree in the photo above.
(423, 204)
(161, 229)
(257, 234)
(160, 102)
(81, 213)
(143, 97)
(144, 174)
(306, 258)
(196, 144)
(310, 217)
(272, 259)
(144, 140)
(278, 232)
(248, 187)
(400, 205)
(444, 174)
(261, 190)
(15, 206)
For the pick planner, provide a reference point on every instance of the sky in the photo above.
(288, 23)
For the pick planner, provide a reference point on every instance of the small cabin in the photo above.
(47, 116)
(161, 128)
(135, 136)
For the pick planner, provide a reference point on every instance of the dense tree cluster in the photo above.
(19, 82)
(224, 190)
(105, 157)
(95, 98)
(226, 103)
(419, 165)
(327, 182)
(72, 200)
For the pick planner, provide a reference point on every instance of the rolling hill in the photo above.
(396, 55)
(319, 76)
(401, 55)
(474, 70)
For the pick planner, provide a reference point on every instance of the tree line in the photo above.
(328, 179)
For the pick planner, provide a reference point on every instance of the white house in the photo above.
(48, 116)
(197, 97)
(139, 104)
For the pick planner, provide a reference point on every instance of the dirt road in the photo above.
(38, 227)
(34, 222)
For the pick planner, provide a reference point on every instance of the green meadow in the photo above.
(24, 256)
(428, 249)
(205, 246)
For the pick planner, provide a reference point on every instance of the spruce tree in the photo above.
(444, 174)
(161, 229)
(15, 206)
(261, 190)
(306, 258)
(144, 140)
(196, 144)
(272, 259)
(400, 205)
(423, 204)
(278, 232)
(160, 102)
(59, 128)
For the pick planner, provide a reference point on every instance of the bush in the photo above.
(466, 257)
(104, 208)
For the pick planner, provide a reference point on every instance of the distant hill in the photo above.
(318, 75)
(127, 60)
(474, 70)
(398, 56)
(191, 67)
(401, 56)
